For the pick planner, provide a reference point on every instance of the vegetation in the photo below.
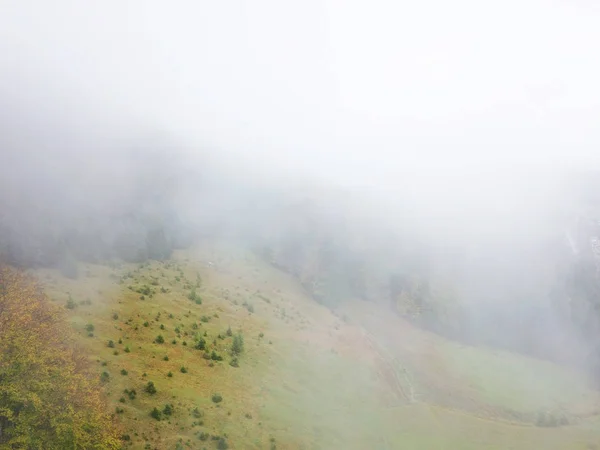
(194, 297)
(48, 396)
(464, 379)
(168, 410)
(130, 393)
(150, 388)
(201, 344)
(70, 303)
(156, 414)
(237, 347)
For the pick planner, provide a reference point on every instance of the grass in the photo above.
(304, 377)
(516, 382)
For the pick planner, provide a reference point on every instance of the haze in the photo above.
(434, 159)
(363, 93)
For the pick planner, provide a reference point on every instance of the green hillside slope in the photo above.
(307, 378)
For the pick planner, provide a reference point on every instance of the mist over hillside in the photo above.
(419, 161)
(477, 256)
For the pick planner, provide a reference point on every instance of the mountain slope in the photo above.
(307, 378)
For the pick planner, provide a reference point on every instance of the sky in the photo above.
(377, 93)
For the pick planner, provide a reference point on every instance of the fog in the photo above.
(351, 91)
(459, 132)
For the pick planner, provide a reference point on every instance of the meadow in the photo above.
(214, 348)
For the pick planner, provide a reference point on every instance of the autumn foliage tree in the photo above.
(48, 399)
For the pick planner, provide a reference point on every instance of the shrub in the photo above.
(150, 388)
(204, 319)
(120, 341)
(170, 374)
(130, 393)
(146, 324)
(122, 399)
(194, 297)
(234, 362)
(124, 372)
(70, 304)
(222, 444)
(166, 358)
(145, 290)
(111, 344)
(215, 356)
(237, 347)
(168, 410)
(203, 436)
(183, 369)
(115, 316)
(201, 344)
(127, 349)
(159, 339)
(89, 328)
(217, 398)
(155, 414)
(162, 327)
(104, 377)
(197, 413)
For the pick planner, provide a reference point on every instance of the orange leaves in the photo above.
(46, 393)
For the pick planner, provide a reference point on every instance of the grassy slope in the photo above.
(312, 380)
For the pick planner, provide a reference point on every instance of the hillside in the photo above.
(49, 398)
(307, 377)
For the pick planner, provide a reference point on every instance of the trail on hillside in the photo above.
(420, 367)
(386, 362)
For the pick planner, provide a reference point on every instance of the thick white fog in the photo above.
(355, 92)
(466, 122)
